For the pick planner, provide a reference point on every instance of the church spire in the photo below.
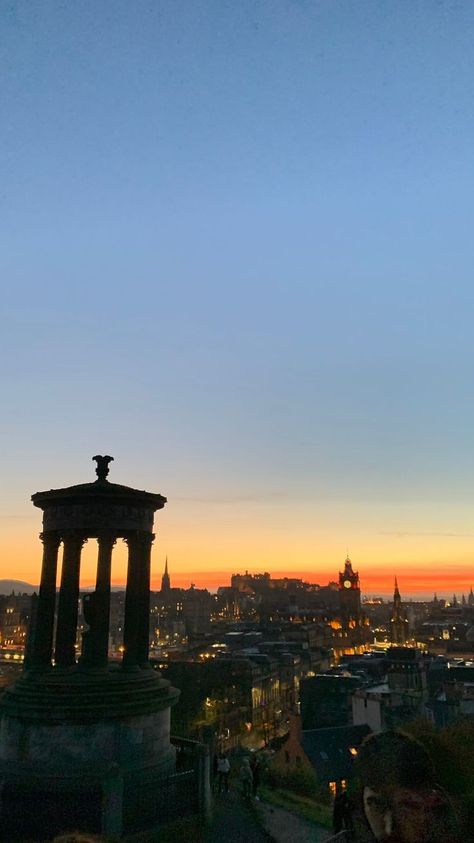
(398, 621)
(165, 580)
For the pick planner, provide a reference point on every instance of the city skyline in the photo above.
(378, 583)
(237, 254)
(295, 557)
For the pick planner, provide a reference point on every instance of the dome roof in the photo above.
(93, 506)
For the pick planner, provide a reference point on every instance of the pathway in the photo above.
(234, 822)
(284, 826)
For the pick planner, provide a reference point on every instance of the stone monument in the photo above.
(84, 742)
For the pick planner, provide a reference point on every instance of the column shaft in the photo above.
(42, 643)
(137, 600)
(102, 590)
(143, 642)
(66, 632)
(132, 603)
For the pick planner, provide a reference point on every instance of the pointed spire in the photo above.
(348, 565)
(165, 580)
(398, 622)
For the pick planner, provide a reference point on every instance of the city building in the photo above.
(328, 753)
(398, 620)
(400, 698)
(15, 611)
(349, 595)
(326, 700)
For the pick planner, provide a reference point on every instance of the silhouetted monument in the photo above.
(82, 738)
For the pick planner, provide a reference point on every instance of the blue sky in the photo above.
(236, 253)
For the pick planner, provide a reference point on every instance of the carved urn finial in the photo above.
(102, 469)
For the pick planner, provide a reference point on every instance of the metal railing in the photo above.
(153, 802)
(179, 794)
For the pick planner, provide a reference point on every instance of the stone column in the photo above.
(143, 638)
(130, 623)
(137, 600)
(106, 543)
(42, 644)
(66, 631)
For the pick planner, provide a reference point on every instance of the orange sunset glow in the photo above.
(208, 557)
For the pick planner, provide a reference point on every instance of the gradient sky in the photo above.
(236, 252)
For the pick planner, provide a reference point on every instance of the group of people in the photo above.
(394, 798)
(249, 775)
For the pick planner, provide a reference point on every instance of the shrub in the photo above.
(299, 780)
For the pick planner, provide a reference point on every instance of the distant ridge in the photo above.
(7, 586)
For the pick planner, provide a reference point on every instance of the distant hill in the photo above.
(7, 586)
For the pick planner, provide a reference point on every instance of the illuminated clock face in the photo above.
(347, 583)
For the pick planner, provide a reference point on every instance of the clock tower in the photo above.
(349, 593)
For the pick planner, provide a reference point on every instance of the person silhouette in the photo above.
(401, 800)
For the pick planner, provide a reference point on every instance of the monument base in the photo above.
(83, 750)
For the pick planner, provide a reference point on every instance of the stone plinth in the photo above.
(86, 726)
(71, 739)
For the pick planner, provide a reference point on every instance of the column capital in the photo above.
(50, 538)
(74, 537)
(139, 537)
(107, 537)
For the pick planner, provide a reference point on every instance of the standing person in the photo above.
(223, 770)
(246, 779)
(338, 813)
(346, 810)
(255, 767)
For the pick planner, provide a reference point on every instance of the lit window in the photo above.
(353, 750)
